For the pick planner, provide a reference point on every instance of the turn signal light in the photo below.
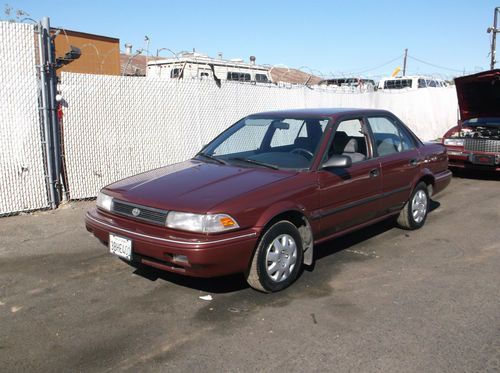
(227, 222)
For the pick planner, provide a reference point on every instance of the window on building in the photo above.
(239, 77)
(174, 73)
(261, 78)
(397, 84)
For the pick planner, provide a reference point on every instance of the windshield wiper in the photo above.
(253, 161)
(211, 157)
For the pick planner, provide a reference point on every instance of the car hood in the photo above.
(479, 95)
(192, 185)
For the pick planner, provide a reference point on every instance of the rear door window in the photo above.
(390, 137)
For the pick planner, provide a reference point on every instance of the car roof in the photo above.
(320, 112)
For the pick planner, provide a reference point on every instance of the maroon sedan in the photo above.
(260, 196)
(475, 142)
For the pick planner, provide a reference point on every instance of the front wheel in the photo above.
(414, 212)
(277, 259)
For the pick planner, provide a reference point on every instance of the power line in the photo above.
(434, 65)
(379, 66)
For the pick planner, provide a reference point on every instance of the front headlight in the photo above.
(454, 142)
(200, 223)
(104, 201)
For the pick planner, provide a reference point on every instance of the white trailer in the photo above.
(196, 65)
(410, 83)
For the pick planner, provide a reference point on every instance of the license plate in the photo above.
(120, 246)
(483, 159)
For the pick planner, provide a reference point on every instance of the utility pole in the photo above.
(404, 62)
(46, 108)
(52, 85)
(494, 30)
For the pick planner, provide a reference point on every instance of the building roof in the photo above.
(136, 66)
(199, 58)
(85, 35)
(293, 76)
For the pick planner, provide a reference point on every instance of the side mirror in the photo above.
(337, 161)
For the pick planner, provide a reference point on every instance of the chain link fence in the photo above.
(119, 126)
(22, 175)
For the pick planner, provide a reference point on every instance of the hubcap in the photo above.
(419, 206)
(281, 257)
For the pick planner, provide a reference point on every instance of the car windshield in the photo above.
(478, 122)
(279, 143)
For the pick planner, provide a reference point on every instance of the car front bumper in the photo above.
(192, 255)
(466, 159)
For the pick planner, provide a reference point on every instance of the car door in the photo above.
(349, 196)
(399, 159)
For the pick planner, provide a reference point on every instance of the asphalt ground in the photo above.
(378, 300)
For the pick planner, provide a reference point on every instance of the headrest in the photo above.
(340, 135)
(386, 147)
(351, 146)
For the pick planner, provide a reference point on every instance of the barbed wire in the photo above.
(356, 73)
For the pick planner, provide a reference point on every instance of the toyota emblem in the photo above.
(136, 211)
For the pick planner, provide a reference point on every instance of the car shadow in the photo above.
(237, 282)
(433, 205)
(477, 174)
(341, 243)
(215, 285)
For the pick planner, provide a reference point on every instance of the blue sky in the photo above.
(331, 38)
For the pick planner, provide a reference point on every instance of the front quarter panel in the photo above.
(256, 208)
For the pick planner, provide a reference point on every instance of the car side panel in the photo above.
(399, 171)
(348, 197)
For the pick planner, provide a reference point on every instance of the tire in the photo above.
(277, 259)
(414, 212)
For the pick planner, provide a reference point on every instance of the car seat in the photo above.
(351, 150)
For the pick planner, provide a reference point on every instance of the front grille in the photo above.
(482, 145)
(144, 213)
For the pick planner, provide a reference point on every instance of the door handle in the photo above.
(413, 162)
(374, 173)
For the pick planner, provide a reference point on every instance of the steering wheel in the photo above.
(303, 151)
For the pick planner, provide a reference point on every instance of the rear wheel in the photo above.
(414, 213)
(277, 258)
